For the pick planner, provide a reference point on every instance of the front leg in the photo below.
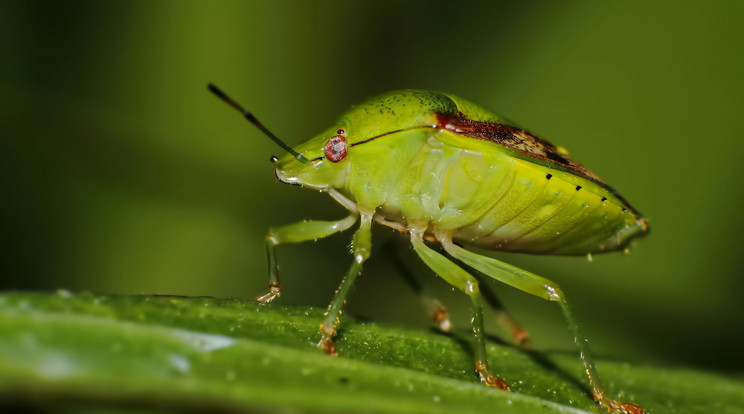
(295, 233)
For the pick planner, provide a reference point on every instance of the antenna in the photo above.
(249, 116)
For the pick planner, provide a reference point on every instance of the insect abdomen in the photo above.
(488, 198)
(565, 214)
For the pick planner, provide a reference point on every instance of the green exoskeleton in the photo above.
(440, 168)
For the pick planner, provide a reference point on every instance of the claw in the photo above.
(522, 338)
(442, 320)
(618, 406)
(327, 345)
(274, 290)
(489, 379)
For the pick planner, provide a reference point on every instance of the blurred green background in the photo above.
(121, 174)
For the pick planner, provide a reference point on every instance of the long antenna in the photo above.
(249, 116)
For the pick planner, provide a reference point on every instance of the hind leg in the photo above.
(544, 288)
(462, 280)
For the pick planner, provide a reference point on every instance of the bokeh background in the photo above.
(121, 174)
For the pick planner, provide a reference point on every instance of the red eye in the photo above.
(340, 131)
(335, 149)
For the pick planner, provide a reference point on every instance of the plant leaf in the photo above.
(162, 353)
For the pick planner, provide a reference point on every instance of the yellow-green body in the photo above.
(407, 162)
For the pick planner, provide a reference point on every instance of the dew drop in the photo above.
(56, 365)
(179, 362)
(64, 293)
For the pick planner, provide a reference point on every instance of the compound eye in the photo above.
(335, 149)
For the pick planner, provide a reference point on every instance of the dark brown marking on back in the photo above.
(558, 158)
(514, 139)
(525, 143)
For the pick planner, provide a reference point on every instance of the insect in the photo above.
(442, 169)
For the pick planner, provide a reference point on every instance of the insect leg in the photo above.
(432, 306)
(459, 278)
(544, 288)
(295, 233)
(361, 247)
(504, 318)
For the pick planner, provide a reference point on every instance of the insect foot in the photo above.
(489, 379)
(327, 345)
(522, 338)
(274, 291)
(520, 335)
(441, 318)
(618, 406)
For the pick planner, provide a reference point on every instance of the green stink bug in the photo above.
(440, 168)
